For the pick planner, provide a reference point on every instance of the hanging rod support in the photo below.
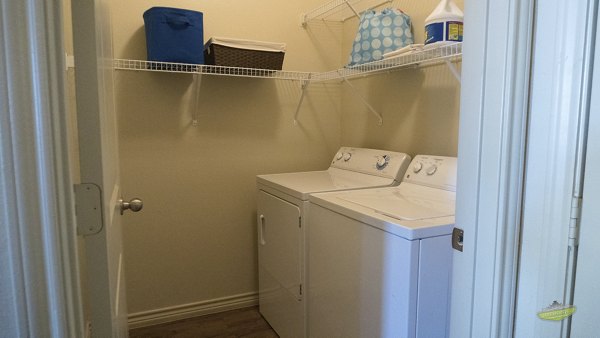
(364, 101)
(453, 70)
(304, 85)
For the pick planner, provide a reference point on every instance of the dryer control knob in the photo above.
(338, 156)
(417, 167)
(347, 157)
(382, 162)
(431, 170)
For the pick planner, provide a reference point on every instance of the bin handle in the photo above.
(178, 21)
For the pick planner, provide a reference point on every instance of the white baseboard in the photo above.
(173, 313)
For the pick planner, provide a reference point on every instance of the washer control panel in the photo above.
(383, 163)
(434, 171)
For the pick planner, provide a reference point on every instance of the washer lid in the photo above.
(301, 184)
(408, 201)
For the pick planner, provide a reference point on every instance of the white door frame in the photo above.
(556, 148)
(39, 283)
(493, 116)
(587, 289)
(500, 40)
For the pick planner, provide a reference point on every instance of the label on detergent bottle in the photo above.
(454, 31)
(434, 32)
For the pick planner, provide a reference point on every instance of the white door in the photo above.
(587, 288)
(279, 261)
(99, 164)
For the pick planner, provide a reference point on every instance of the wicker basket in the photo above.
(218, 55)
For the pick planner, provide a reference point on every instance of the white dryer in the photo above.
(380, 259)
(282, 210)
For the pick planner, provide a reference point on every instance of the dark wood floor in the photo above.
(242, 323)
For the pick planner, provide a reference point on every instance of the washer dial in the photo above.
(382, 162)
(431, 170)
(417, 167)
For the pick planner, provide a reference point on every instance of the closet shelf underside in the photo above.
(451, 52)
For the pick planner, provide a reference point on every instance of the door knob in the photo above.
(135, 205)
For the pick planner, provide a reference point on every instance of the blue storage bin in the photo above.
(174, 35)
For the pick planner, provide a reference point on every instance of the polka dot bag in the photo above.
(380, 33)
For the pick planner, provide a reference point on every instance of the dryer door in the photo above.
(279, 264)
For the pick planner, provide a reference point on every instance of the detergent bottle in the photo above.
(444, 24)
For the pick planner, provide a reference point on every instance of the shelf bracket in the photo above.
(196, 93)
(304, 85)
(364, 101)
(453, 70)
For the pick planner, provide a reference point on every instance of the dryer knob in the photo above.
(382, 162)
(431, 170)
(347, 157)
(417, 167)
(338, 156)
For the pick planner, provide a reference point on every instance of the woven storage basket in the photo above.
(219, 55)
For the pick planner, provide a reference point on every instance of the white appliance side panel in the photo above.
(280, 241)
(435, 268)
(362, 281)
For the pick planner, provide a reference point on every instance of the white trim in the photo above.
(494, 97)
(559, 101)
(587, 289)
(40, 297)
(178, 312)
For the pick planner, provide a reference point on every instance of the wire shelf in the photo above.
(340, 10)
(171, 67)
(452, 52)
(432, 55)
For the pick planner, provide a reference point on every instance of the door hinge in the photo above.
(574, 220)
(300, 289)
(88, 208)
(300, 222)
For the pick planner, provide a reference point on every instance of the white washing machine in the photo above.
(380, 259)
(282, 210)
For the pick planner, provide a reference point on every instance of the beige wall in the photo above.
(195, 239)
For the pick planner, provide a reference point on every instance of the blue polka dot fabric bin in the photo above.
(380, 33)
